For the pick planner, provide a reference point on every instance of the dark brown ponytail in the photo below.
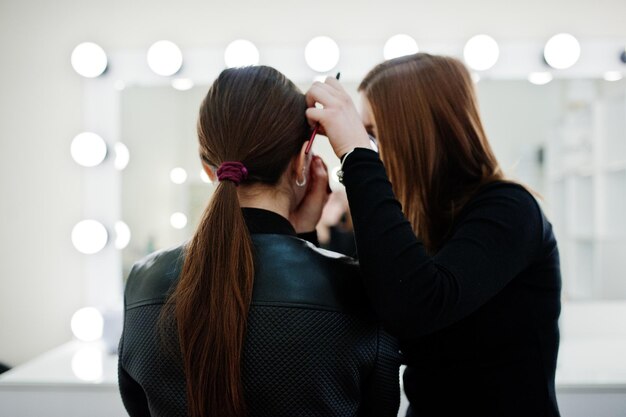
(255, 116)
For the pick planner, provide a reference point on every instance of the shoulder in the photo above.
(504, 198)
(151, 277)
(290, 270)
(504, 211)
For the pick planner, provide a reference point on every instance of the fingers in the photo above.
(314, 115)
(322, 93)
(319, 175)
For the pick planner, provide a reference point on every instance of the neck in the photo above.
(264, 198)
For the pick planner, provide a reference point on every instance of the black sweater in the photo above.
(477, 321)
(313, 346)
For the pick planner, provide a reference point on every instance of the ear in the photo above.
(209, 172)
(302, 161)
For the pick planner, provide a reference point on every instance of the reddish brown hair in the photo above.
(431, 139)
(256, 116)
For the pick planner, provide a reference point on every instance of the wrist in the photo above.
(364, 142)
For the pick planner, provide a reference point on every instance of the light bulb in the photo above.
(539, 78)
(87, 364)
(122, 156)
(178, 175)
(562, 51)
(89, 60)
(399, 45)
(321, 54)
(612, 76)
(481, 52)
(122, 235)
(182, 84)
(241, 53)
(165, 58)
(88, 149)
(87, 324)
(204, 177)
(178, 220)
(89, 236)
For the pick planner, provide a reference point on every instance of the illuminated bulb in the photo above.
(204, 177)
(122, 235)
(165, 58)
(241, 53)
(87, 324)
(89, 236)
(613, 76)
(87, 364)
(321, 54)
(122, 156)
(178, 175)
(88, 149)
(399, 45)
(89, 60)
(539, 78)
(562, 51)
(481, 52)
(182, 84)
(178, 220)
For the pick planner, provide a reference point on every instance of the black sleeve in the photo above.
(381, 397)
(414, 293)
(310, 237)
(133, 396)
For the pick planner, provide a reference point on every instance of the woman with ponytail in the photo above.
(248, 318)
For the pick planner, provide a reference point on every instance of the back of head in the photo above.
(252, 116)
(431, 138)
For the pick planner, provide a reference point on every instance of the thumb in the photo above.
(319, 180)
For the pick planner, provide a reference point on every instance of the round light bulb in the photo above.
(88, 149)
(178, 175)
(562, 51)
(481, 52)
(122, 156)
(321, 54)
(204, 177)
(165, 58)
(540, 78)
(612, 76)
(89, 236)
(399, 45)
(87, 324)
(182, 84)
(87, 364)
(89, 60)
(122, 235)
(241, 53)
(178, 220)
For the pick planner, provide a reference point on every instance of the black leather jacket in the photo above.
(312, 347)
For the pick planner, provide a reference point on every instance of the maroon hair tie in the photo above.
(232, 171)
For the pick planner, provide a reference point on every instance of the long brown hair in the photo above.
(431, 139)
(256, 116)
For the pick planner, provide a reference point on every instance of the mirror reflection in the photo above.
(564, 139)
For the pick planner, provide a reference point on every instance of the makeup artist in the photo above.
(459, 261)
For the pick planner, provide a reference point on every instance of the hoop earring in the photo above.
(303, 183)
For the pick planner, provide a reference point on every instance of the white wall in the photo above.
(40, 108)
